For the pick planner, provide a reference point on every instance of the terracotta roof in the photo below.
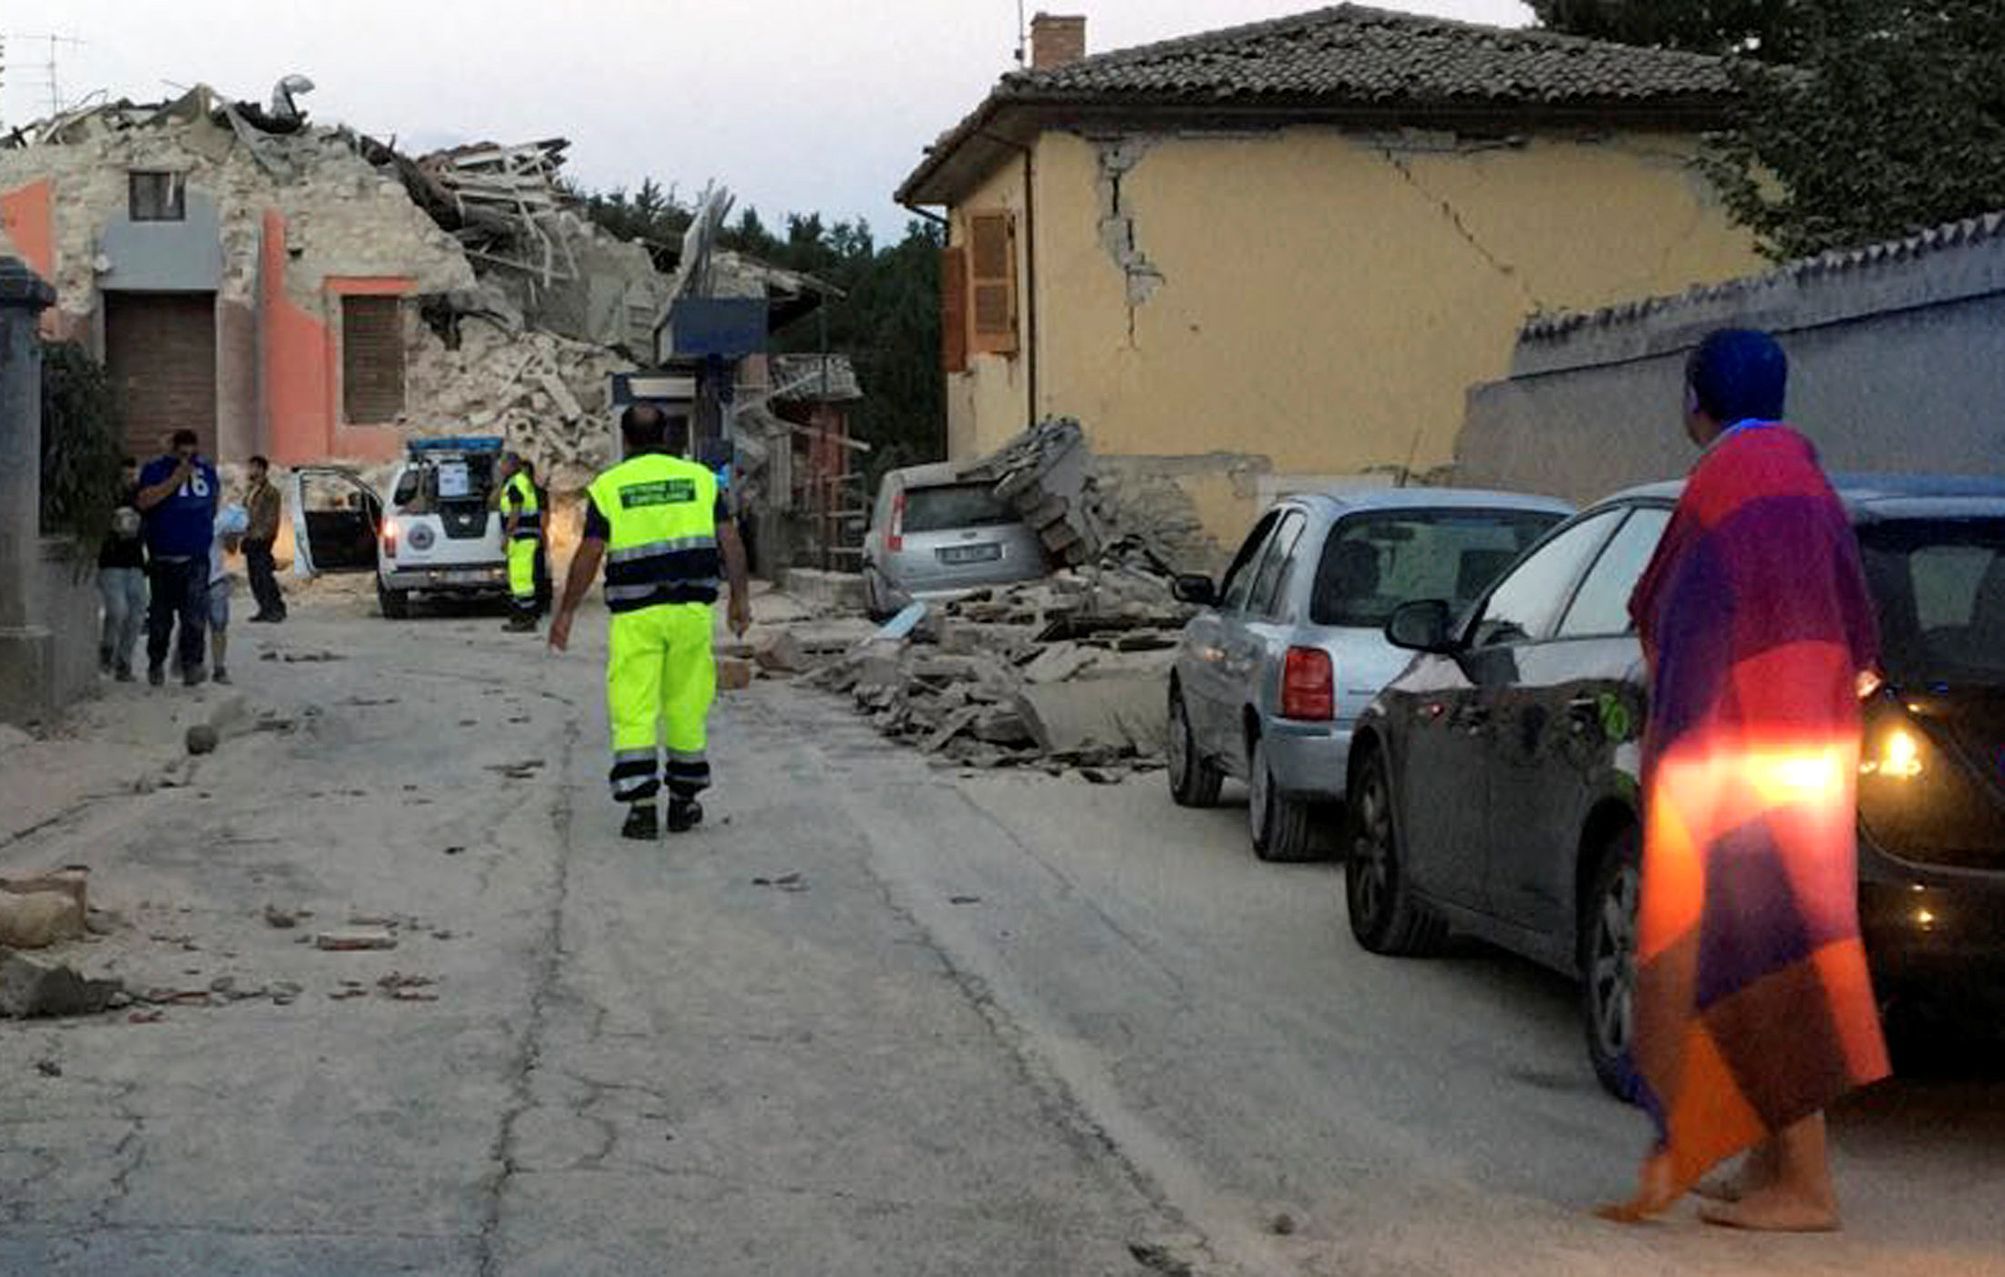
(1554, 327)
(1331, 64)
(1359, 53)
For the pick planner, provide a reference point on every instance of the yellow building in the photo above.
(1278, 255)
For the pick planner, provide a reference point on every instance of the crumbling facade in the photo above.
(309, 294)
(1276, 256)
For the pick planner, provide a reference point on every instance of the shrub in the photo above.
(82, 443)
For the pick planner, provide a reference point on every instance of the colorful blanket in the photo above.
(1754, 1009)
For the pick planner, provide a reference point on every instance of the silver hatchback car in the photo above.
(1271, 676)
(935, 537)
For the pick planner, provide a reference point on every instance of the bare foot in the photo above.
(1774, 1210)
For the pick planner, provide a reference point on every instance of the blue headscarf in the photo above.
(1738, 374)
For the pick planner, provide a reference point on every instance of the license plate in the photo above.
(987, 552)
(477, 577)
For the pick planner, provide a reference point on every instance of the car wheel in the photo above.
(1280, 825)
(1385, 917)
(396, 604)
(1194, 782)
(1608, 965)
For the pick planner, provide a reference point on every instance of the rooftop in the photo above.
(1352, 60)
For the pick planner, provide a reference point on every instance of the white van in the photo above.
(439, 533)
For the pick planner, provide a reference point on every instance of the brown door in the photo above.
(160, 351)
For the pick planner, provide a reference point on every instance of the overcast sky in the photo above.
(794, 104)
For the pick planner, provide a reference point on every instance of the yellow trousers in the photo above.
(522, 573)
(661, 678)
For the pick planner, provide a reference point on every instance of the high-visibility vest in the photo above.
(529, 516)
(661, 512)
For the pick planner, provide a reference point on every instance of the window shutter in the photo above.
(992, 282)
(954, 309)
(372, 360)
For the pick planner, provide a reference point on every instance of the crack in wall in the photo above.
(1141, 277)
(1454, 218)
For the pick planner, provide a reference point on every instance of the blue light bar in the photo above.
(458, 443)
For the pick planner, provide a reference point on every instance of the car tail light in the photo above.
(389, 540)
(894, 539)
(1309, 685)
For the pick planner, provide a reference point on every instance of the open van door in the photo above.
(336, 518)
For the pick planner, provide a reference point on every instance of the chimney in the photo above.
(1056, 41)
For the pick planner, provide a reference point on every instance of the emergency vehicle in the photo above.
(439, 534)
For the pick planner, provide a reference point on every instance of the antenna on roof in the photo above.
(49, 68)
(1022, 37)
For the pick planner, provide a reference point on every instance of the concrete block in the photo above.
(39, 919)
(1125, 714)
(32, 987)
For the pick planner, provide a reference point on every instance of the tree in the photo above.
(1767, 29)
(1892, 121)
(1858, 121)
(81, 445)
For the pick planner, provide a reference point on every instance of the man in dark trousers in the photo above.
(266, 507)
(177, 498)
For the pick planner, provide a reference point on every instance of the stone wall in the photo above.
(1897, 363)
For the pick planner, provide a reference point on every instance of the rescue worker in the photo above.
(657, 523)
(522, 529)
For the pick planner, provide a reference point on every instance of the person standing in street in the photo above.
(656, 522)
(121, 578)
(177, 497)
(1754, 1006)
(230, 526)
(541, 575)
(266, 507)
(522, 530)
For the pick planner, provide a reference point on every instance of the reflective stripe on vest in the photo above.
(529, 517)
(660, 513)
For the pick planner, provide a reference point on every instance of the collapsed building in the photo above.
(306, 292)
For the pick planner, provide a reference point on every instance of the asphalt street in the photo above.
(874, 1018)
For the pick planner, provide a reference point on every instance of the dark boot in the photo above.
(643, 823)
(684, 814)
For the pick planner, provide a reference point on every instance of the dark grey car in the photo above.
(1494, 784)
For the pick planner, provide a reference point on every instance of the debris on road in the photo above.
(39, 919)
(282, 919)
(350, 939)
(30, 987)
(793, 881)
(203, 739)
(1068, 670)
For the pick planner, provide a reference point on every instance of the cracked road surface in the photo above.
(873, 1019)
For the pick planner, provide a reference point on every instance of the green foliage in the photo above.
(1892, 122)
(887, 320)
(1888, 118)
(82, 443)
(1767, 29)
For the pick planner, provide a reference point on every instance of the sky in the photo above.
(803, 105)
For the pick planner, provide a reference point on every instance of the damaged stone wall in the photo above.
(1314, 301)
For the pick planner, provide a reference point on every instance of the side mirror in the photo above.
(1421, 627)
(1199, 591)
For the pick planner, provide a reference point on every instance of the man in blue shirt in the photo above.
(177, 497)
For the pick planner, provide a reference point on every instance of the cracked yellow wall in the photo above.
(1327, 298)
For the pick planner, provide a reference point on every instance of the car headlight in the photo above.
(1898, 756)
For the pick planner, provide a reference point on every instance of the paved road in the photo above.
(996, 1025)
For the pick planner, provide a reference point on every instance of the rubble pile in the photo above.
(1047, 475)
(1061, 674)
(545, 393)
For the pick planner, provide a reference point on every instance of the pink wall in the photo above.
(29, 215)
(302, 365)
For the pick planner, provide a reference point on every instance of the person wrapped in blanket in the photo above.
(1754, 1007)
